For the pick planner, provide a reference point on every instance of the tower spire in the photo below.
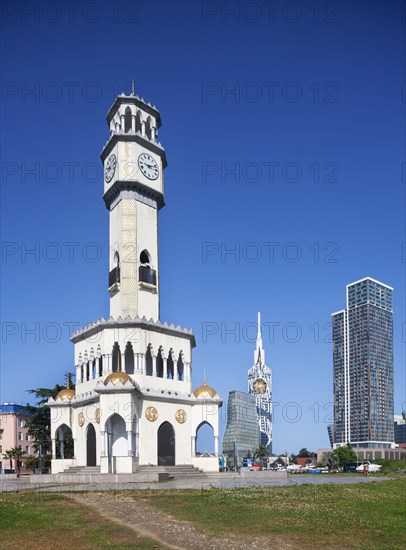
(259, 354)
(132, 87)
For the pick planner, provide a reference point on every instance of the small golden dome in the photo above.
(116, 377)
(66, 395)
(204, 391)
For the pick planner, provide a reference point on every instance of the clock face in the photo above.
(148, 166)
(110, 168)
(259, 386)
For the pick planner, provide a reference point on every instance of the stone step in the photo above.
(176, 472)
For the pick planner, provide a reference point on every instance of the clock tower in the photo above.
(260, 385)
(133, 162)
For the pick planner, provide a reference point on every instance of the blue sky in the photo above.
(285, 140)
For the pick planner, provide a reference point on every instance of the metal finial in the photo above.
(132, 87)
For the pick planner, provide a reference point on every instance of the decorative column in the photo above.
(216, 445)
(97, 367)
(78, 374)
(123, 362)
(122, 121)
(117, 127)
(187, 372)
(62, 444)
(107, 364)
(130, 442)
(154, 365)
(165, 362)
(193, 446)
(143, 128)
(53, 448)
(153, 133)
(103, 444)
(133, 123)
(84, 372)
(137, 441)
(143, 364)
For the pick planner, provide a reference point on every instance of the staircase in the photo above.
(183, 471)
(75, 470)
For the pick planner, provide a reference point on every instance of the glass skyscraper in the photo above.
(363, 366)
(241, 437)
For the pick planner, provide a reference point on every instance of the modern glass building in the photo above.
(241, 437)
(363, 366)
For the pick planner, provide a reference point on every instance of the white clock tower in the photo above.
(133, 193)
(133, 406)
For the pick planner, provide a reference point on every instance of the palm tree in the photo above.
(261, 453)
(15, 453)
(8, 455)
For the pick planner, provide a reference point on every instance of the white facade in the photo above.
(133, 403)
(260, 385)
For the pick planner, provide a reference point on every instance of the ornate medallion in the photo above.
(181, 416)
(97, 415)
(151, 414)
(81, 419)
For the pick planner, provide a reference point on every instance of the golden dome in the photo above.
(204, 391)
(66, 395)
(116, 377)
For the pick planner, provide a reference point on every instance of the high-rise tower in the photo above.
(260, 385)
(363, 366)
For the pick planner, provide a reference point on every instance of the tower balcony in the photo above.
(114, 279)
(147, 275)
(147, 278)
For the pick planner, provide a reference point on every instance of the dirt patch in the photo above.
(165, 530)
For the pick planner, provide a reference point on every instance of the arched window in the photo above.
(204, 439)
(160, 364)
(146, 273)
(116, 358)
(145, 258)
(129, 359)
(180, 367)
(100, 366)
(64, 442)
(148, 362)
(169, 365)
(138, 121)
(127, 120)
(148, 126)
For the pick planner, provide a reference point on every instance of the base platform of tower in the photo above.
(133, 402)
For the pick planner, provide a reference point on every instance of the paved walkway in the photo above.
(221, 481)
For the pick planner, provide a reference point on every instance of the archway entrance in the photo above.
(166, 445)
(91, 446)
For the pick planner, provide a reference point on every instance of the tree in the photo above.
(261, 453)
(8, 455)
(15, 453)
(304, 453)
(344, 454)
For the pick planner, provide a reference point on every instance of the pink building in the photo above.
(14, 433)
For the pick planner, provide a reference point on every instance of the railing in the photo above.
(114, 276)
(147, 275)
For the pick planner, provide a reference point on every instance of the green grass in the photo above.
(44, 521)
(357, 516)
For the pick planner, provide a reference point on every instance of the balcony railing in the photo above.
(114, 276)
(147, 275)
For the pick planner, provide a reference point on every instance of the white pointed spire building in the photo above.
(260, 385)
